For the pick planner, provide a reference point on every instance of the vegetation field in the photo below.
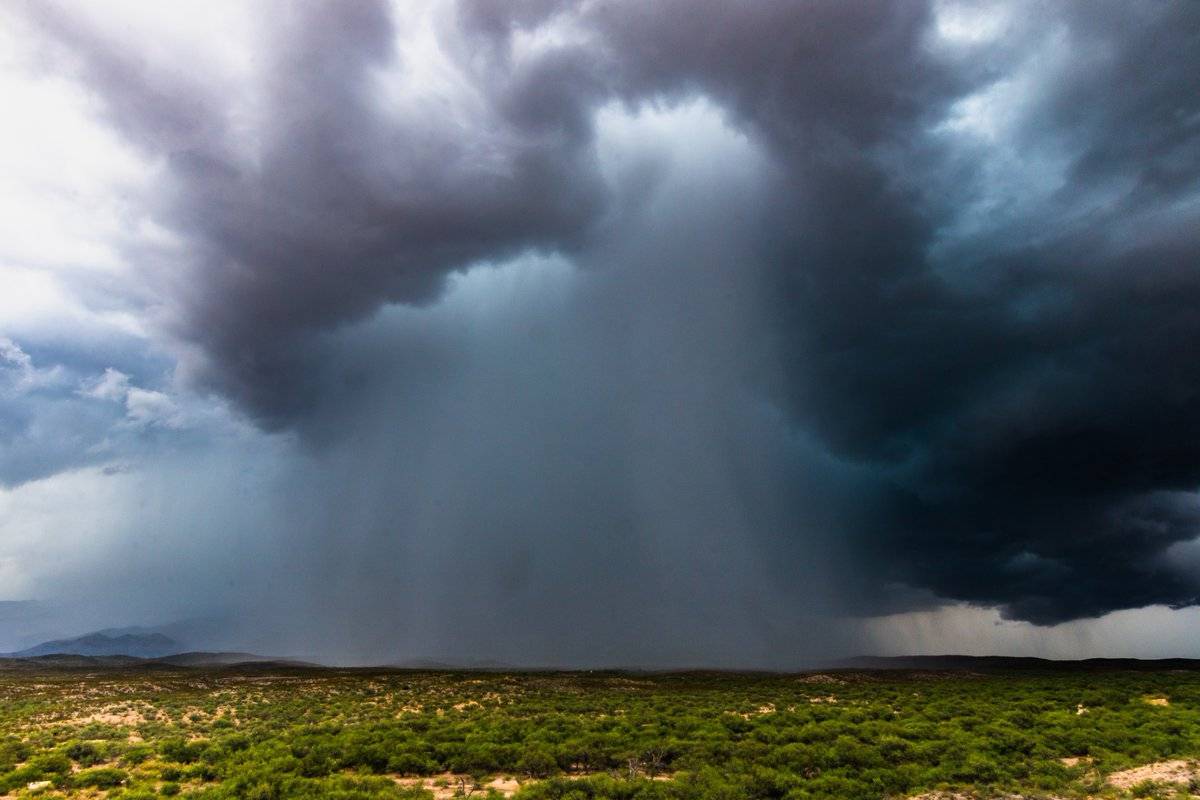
(275, 732)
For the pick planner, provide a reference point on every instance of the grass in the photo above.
(244, 733)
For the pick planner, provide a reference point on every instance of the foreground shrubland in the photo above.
(290, 733)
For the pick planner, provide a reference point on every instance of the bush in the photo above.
(85, 753)
(102, 778)
(182, 751)
(537, 762)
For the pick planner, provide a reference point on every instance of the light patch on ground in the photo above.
(1177, 771)
(120, 715)
(953, 795)
(448, 785)
(821, 677)
(769, 708)
(1158, 701)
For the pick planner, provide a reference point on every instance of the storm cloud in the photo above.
(607, 331)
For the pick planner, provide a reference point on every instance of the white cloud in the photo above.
(14, 355)
(966, 24)
(64, 176)
(146, 407)
(72, 207)
(112, 385)
(19, 375)
(143, 407)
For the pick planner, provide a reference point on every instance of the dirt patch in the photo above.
(820, 677)
(769, 708)
(1177, 771)
(127, 718)
(448, 785)
(1157, 701)
(1075, 761)
(956, 795)
(122, 715)
(505, 786)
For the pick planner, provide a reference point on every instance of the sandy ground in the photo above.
(1177, 771)
(447, 785)
(966, 796)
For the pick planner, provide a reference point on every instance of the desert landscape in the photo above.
(83, 727)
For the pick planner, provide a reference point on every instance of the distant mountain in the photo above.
(139, 645)
(179, 661)
(31, 626)
(205, 659)
(66, 662)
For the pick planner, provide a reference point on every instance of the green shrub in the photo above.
(101, 778)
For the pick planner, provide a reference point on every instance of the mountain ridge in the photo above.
(102, 643)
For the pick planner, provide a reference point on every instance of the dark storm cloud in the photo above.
(988, 338)
(1034, 402)
(341, 203)
(1032, 417)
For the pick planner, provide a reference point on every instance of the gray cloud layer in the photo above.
(932, 327)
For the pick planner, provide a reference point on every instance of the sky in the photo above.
(602, 333)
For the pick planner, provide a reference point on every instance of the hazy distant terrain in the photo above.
(79, 726)
(147, 645)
